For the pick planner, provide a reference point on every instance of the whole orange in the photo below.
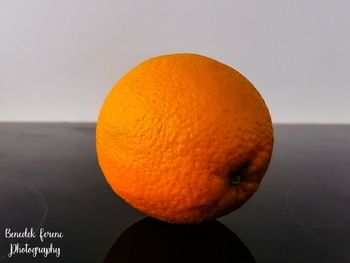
(184, 138)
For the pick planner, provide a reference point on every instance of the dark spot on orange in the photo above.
(237, 174)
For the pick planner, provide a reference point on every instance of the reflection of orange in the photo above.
(184, 138)
(151, 240)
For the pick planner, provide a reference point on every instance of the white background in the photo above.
(59, 59)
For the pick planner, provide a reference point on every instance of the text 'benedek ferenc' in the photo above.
(23, 247)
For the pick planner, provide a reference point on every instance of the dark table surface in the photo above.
(50, 179)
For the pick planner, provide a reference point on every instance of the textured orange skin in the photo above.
(174, 132)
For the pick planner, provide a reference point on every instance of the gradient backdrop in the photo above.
(58, 59)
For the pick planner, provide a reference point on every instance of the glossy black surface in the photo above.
(49, 178)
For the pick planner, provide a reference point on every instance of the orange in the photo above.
(184, 138)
